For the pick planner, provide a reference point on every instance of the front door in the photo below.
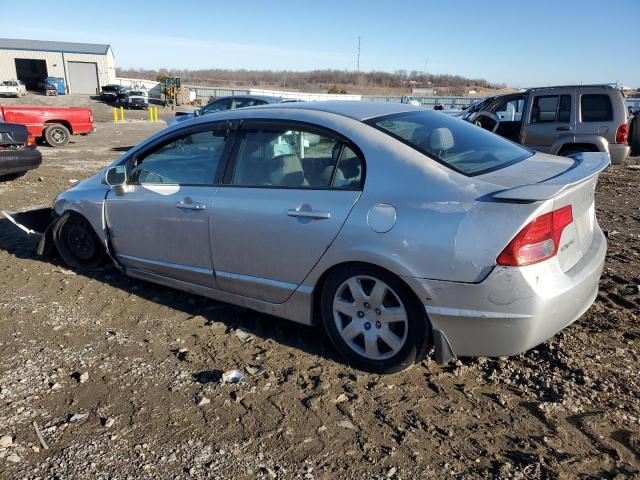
(284, 200)
(550, 117)
(509, 110)
(159, 222)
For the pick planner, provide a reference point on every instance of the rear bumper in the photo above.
(14, 161)
(619, 153)
(513, 309)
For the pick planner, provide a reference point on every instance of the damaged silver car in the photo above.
(399, 229)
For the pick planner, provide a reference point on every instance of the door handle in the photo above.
(190, 206)
(563, 128)
(309, 214)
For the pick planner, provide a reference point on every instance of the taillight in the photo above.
(31, 140)
(91, 118)
(622, 134)
(538, 240)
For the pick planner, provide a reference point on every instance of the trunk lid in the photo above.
(561, 181)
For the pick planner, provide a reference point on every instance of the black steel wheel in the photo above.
(77, 242)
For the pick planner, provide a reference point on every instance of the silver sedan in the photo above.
(399, 229)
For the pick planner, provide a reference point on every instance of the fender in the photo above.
(600, 143)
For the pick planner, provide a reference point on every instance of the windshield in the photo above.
(136, 93)
(457, 144)
(110, 88)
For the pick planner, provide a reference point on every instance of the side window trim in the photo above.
(161, 142)
(276, 124)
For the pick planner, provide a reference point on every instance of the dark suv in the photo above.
(561, 120)
(112, 93)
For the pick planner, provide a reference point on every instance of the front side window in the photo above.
(217, 106)
(295, 159)
(191, 159)
(596, 108)
(457, 144)
(551, 108)
(510, 110)
(246, 102)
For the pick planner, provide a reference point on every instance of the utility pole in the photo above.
(358, 60)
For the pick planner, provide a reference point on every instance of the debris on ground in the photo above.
(568, 408)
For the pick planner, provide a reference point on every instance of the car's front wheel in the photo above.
(373, 320)
(77, 242)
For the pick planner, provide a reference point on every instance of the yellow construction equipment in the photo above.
(173, 92)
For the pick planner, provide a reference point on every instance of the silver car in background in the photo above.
(396, 227)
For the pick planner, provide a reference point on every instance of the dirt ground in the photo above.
(152, 404)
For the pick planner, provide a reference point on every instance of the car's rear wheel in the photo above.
(57, 135)
(12, 176)
(373, 319)
(77, 242)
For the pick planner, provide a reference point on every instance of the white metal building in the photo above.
(85, 67)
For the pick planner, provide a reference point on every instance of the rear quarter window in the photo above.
(596, 108)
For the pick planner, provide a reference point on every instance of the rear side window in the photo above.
(295, 159)
(551, 108)
(596, 108)
(457, 144)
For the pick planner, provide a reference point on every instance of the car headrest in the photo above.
(441, 139)
(287, 170)
(420, 136)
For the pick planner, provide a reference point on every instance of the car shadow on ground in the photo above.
(309, 339)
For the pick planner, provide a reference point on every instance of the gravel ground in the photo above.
(124, 378)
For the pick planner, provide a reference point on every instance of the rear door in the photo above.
(159, 223)
(283, 201)
(550, 117)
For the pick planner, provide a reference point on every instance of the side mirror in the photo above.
(197, 112)
(116, 176)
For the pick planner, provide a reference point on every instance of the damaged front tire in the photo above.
(77, 242)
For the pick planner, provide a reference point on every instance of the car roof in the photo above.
(266, 98)
(597, 85)
(357, 110)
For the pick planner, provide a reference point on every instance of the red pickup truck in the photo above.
(55, 124)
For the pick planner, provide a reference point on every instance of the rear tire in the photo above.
(12, 176)
(77, 242)
(57, 135)
(373, 319)
(634, 135)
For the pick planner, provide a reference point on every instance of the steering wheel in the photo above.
(491, 116)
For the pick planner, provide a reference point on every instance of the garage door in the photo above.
(83, 77)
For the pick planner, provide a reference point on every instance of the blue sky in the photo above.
(521, 43)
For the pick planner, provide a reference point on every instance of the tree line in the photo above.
(318, 78)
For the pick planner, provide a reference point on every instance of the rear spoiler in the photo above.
(586, 165)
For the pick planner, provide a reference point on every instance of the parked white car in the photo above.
(409, 100)
(12, 88)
